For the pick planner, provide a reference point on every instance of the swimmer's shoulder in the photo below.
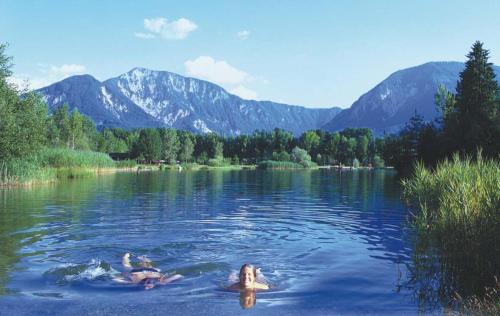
(261, 286)
(234, 287)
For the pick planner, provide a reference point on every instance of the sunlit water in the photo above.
(328, 242)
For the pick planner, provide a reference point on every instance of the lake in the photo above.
(328, 242)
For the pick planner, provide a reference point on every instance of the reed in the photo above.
(68, 158)
(126, 164)
(458, 218)
(50, 164)
(272, 164)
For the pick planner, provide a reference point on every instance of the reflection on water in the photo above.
(327, 240)
(445, 274)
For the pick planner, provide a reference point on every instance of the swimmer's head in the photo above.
(248, 274)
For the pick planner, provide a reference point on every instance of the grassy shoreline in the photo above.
(458, 217)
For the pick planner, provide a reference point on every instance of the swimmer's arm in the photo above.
(171, 278)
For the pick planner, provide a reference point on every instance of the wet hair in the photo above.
(250, 266)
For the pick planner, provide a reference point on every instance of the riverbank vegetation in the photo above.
(459, 203)
(455, 191)
(34, 138)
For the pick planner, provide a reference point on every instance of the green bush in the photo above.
(271, 164)
(355, 163)
(218, 162)
(378, 162)
(190, 166)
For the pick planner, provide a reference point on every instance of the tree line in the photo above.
(26, 125)
(348, 147)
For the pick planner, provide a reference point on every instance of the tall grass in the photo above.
(52, 163)
(126, 163)
(67, 158)
(458, 218)
(272, 164)
(16, 171)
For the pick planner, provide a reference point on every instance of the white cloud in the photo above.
(50, 74)
(66, 70)
(178, 29)
(205, 67)
(144, 35)
(244, 93)
(243, 35)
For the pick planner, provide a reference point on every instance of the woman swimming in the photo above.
(145, 273)
(247, 279)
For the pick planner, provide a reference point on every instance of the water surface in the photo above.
(328, 242)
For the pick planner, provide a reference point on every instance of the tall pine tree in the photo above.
(473, 121)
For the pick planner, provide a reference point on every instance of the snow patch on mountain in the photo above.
(201, 126)
(385, 94)
(170, 119)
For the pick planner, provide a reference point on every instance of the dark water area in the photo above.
(328, 242)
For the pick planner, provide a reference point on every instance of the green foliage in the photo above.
(5, 63)
(170, 145)
(186, 147)
(271, 164)
(219, 162)
(459, 216)
(51, 163)
(149, 144)
(126, 163)
(401, 151)
(470, 120)
(378, 162)
(355, 163)
(22, 120)
(298, 155)
(282, 140)
(68, 158)
(113, 141)
(310, 142)
(475, 112)
(281, 156)
(17, 170)
(73, 130)
(22, 123)
(202, 158)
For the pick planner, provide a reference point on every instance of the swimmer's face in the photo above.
(247, 278)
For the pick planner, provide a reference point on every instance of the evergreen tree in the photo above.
(475, 111)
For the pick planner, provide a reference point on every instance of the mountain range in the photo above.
(148, 98)
(388, 106)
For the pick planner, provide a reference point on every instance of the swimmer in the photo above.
(247, 279)
(145, 273)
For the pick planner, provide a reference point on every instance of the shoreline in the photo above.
(62, 173)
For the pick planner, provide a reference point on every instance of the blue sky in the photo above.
(310, 53)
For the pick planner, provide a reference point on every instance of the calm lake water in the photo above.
(328, 242)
